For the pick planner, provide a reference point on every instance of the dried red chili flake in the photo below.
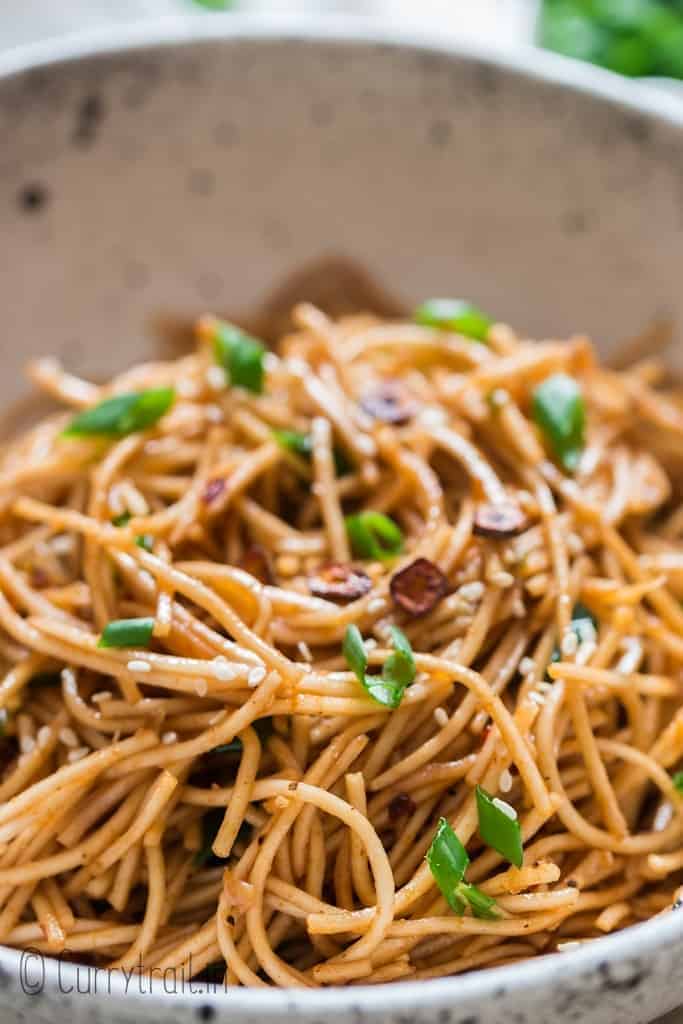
(340, 582)
(418, 587)
(498, 521)
(255, 561)
(39, 578)
(390, 403)
(400, 806)
(213, 490)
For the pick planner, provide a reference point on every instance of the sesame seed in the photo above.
(26, 744)
(527, 666)
(505, 808)
(62, 545)
(169, 737)
(537, 698)
(213, 413)
(305, 651)
(44, 734)
(566, 947)
(586, 651)
(270, 362)
(69, 681)
(68, 737)
(201, 687)
(256, 676)
(101, 695)
(117, 506)
(186, 387)
(375, 605)
(138, 665)
(502, 579)
(505, 781)
(472, 592)
(370, 644)
(544, 686)
(216, 378)
(222, 670)
(432, 416)
(574, 544)
(570, 643)
(498, 398)
(633, 653)
(441, 717)
(77, 755)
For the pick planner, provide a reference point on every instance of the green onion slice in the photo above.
(398, 671)
(482, 906)
(447, 859)
(145, 541)
(560, 412)
(121, 520)
(122, 414)
(294, 441)
(354, 651)
(454, 315)
(240, 355)
(302, 444)
(374, 536)
(677, 779)
(498, 830)
(127, 633)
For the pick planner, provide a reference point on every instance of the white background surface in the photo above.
(503, 22)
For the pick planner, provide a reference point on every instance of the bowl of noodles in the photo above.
(340, 621)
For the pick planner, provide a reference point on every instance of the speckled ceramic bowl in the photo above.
(146, 176)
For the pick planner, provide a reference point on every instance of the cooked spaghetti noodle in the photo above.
(282, 643)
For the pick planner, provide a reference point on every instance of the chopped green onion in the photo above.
(121, 520)
(302, 444)
(447, 859)
(454, 315)
(4, 718)
(122, 414)
(498, 829)
(127, 633)
(240, 355)
(294, 441)
(145, 541)
(677, 779)
(399, 668)
(560, 412)
(482, 906)
(374, 535)
(398, 671)
(354, 651)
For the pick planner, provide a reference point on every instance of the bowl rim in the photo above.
(526, 62)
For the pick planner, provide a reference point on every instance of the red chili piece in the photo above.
(419, 587)
(389, 403)
(499, 521)
(339, 582)
(400, 806)
(213, 490)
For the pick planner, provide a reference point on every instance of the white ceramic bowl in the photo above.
(175, 167)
